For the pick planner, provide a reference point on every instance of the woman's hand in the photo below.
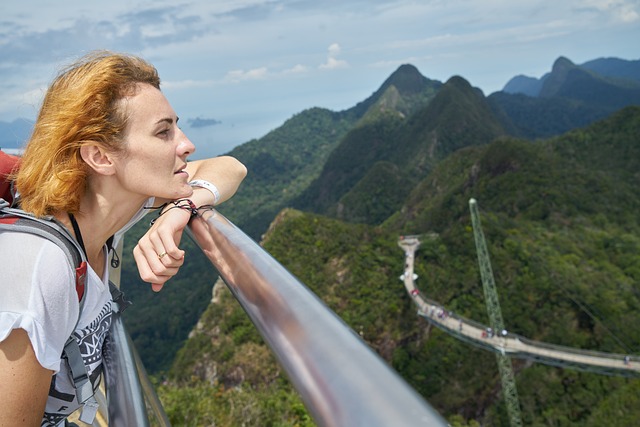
(157, 254)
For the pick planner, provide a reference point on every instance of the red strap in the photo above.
(7, 165)
(81, 278)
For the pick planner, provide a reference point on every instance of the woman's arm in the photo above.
(24, 383)
(225, 172)
(157, 254)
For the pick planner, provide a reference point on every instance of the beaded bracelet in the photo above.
(185, 204)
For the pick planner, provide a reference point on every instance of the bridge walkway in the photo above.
(506, 342)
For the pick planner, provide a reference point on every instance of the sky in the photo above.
(236, 69)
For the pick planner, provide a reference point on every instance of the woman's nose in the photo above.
(185, 147)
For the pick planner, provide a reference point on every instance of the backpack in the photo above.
(14, 219)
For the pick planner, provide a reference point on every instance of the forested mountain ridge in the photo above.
(369, 173)
(599, 164)
(404, 92)
(284, 162)
(615, 70)
(381, 141)
(568, 97)
(560, 219)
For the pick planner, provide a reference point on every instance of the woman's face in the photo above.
(156, 150)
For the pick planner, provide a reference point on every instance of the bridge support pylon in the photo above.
(509, 389)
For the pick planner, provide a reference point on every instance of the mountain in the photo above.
(404, 91)
(284, 162)
(573, 82)
(568, 97)
(616, 69)
(322, 161)
(525, 85)
(386, 157)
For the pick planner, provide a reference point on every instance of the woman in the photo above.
(106, 148)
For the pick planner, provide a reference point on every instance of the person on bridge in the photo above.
(106, 147)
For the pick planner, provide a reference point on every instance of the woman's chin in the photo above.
(185, 192)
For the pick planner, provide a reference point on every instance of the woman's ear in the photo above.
(98, 159)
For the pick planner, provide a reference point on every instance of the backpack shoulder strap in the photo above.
(81, 380)
(120, 304)
(12, 219)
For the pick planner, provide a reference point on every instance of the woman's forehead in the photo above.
(149, 105)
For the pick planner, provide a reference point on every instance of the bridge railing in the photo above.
(339, 378)
(436, 314)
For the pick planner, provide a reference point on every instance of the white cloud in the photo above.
(624, 11)
(296, 69)
(334, 49)
(240, 75)
(332, 62)
(627, 13)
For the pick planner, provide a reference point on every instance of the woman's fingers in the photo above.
(153, 268)
(157, 254)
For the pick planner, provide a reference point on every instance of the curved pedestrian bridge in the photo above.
(505, 342)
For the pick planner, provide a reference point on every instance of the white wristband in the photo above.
(209, 186)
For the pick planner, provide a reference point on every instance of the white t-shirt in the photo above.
(37, 294)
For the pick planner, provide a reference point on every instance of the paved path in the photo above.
(508, 343)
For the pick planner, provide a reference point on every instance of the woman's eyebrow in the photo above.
(168, 120)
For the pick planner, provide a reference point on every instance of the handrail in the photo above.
(339, 378)
(130, 395)
(125, 398)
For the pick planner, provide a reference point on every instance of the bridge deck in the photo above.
(508, 343)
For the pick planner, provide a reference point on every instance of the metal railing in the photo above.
(341, 381)
(339, 378)
(131, 398)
